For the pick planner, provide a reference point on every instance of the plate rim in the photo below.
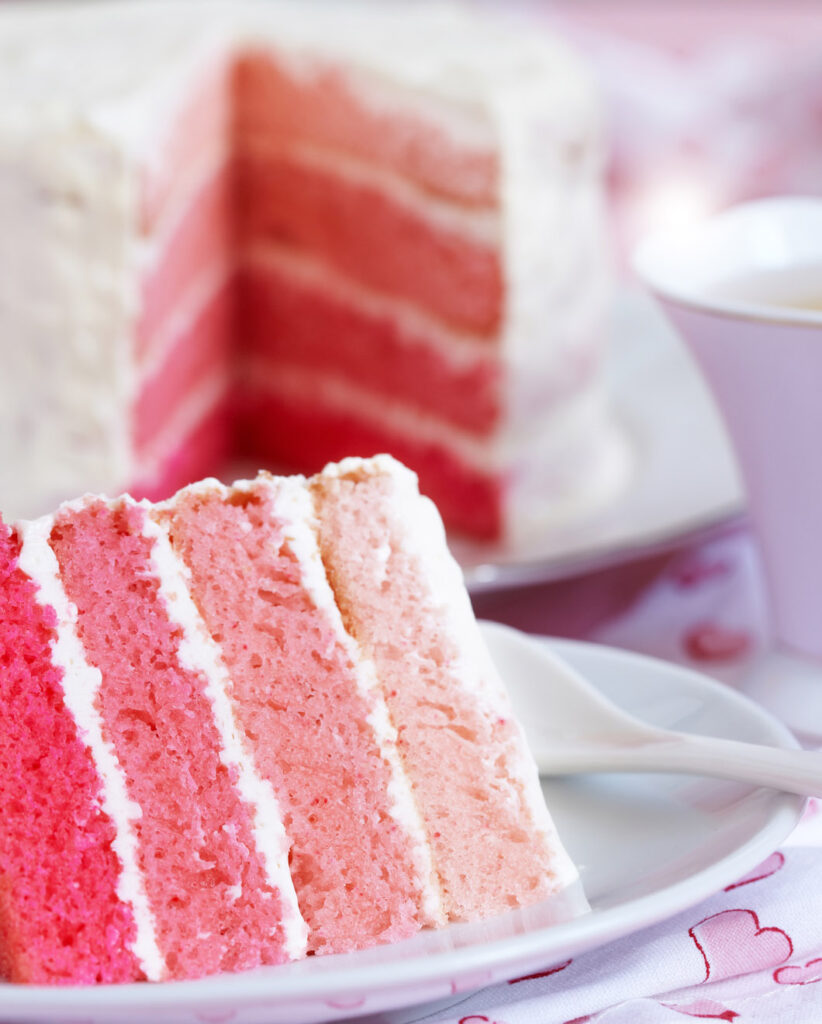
(504, 956)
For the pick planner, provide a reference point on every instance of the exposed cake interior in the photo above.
(268, 710)
(53, 834)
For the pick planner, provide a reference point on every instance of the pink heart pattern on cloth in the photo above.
(796, 974)
(768, 867)
(732, 943)
(707, 1009)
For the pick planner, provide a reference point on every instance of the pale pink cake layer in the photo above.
(277, 428)
(201, 239)
(289, 322)
(213, 906)
(200, 125)
(324, 108)
(61, 920)
(488, 852)
(296, 700)
(359, 229)
(201, 350)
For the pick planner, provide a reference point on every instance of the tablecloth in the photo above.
(751, 953)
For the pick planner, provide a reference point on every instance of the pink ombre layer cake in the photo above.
(248, 724)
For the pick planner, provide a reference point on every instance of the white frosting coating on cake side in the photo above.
(199, 653)
(81, 683)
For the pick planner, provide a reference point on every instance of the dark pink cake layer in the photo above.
(202, 349)
(307, 435)
(289, 322)
(213, 906)
(323, 107)
(369, 237)
(296, 700)
(487, 847)
(201, 240)
(201, 452)
(61, 921)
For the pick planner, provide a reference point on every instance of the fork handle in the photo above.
(792, 771)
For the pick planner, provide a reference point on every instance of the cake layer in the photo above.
(401, 597)
(199, 348)
(199, 123)
(289, 318)
(283, 429)
(302, 709)
(213, 905)
(61, 918)
(199, 236)
(197, 437)
(370, 236)
(322, 103)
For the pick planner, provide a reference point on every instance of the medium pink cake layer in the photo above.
(296, 701)
(487, 851)
(213, 906)
(369, 237)
(305, 436)
(61, 921)
(289, 322)
(201, 239)
(324, 108)
(198, 453)
(201, 350)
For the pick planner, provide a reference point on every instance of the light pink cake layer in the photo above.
(487, 850)
(297, 703)
(212, 904)
(359, 229)
(200, 125)
(324, 108)
(61, 920)
(289, 322)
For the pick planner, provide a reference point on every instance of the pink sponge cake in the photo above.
(249, 724)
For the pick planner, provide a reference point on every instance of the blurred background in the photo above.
(708, 104)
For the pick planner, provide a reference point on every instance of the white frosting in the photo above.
(199, 653)
(81, 684)
(493, 453)
(417, 518)
(295, 510)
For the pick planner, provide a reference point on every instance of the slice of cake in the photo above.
(292, 237)
(247, 724)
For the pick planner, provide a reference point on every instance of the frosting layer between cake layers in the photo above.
(403, 204)
(268, 709)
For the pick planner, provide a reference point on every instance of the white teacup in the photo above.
(745, 290)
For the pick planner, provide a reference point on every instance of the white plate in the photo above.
(647, 846)
(685, 480)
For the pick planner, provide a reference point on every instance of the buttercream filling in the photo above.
(81, 684)
(294, 509)
(199, 653)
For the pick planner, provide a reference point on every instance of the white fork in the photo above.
(577, 729)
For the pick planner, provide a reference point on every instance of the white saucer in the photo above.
(684, 483)
(647, 846)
